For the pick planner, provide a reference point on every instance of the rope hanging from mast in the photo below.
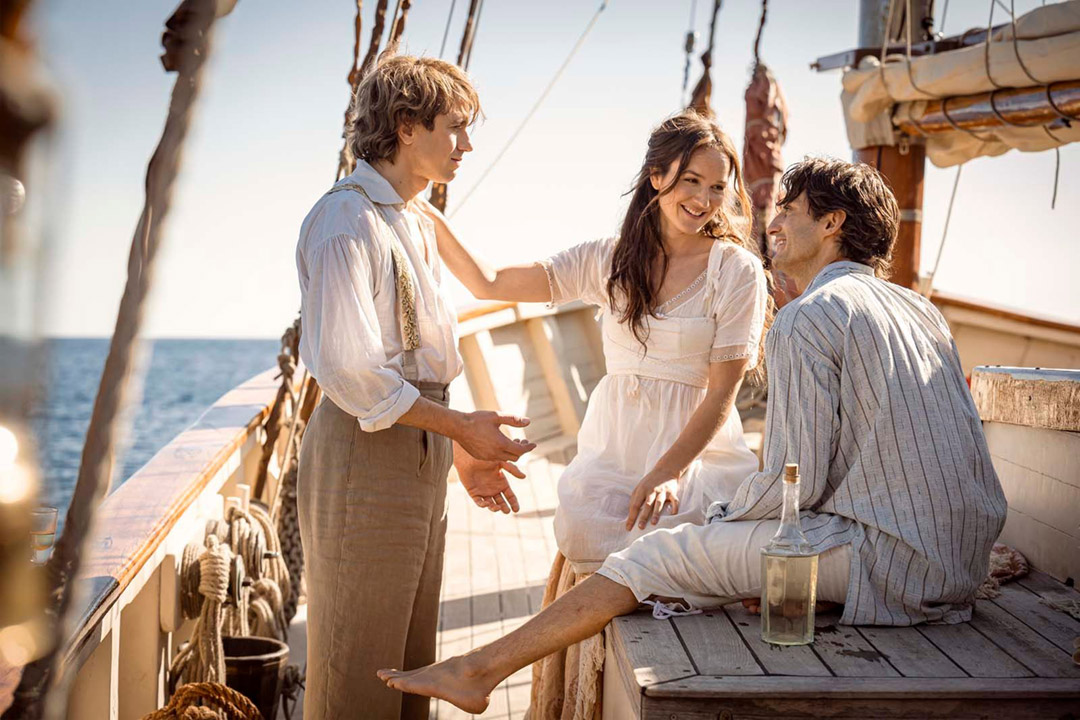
(688, 48)
(763, 162)
(437, 196)
(397, 27)
(187, 44)
(446, 32)
(699, 99)
(760, 29)
(346, 162)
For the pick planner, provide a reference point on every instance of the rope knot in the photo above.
(214, 570)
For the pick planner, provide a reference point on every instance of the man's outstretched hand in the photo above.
(480, 436)
(486, 481)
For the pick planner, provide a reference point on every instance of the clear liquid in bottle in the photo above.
(787, 607)
(788, 575)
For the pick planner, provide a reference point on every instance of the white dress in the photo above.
(640, 407)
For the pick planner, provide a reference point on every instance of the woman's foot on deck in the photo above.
(451, 680)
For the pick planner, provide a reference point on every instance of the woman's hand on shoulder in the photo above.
(656, 491)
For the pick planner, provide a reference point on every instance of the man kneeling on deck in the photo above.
(867, 395)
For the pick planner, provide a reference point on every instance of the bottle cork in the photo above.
(791, 473)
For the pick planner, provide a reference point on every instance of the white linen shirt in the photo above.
(351, 340)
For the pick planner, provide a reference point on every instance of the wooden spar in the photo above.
(1031, 106)
(905, 164)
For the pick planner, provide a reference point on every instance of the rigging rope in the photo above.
(189, 33)
(437, 196)
(691, 37)
(535, 107)
(397, 27)
(472, 36)
(761, 27)
(354, 71)
(446, 32)
(928, 285)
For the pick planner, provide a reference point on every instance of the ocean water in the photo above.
(183, 379)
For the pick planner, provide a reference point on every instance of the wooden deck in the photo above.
(494, 574)
(1012, 660)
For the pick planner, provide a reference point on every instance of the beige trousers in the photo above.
(713, 565)
(373, 524)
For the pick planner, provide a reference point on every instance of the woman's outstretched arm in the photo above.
(660, 485)
(517, 283)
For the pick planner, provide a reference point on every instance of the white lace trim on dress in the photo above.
(724, 356)
(546, 264)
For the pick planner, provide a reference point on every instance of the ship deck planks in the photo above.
(1013, 660)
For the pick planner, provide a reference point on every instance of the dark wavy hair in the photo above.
(631, 287)
(872, 215)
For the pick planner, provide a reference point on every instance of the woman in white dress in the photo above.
(684, 305)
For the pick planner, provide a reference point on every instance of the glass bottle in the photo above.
(788, 575)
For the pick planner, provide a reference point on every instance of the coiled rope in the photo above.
(207, 701)
(203, 659)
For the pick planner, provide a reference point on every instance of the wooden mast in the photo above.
(903, 164)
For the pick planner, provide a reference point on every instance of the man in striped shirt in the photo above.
(867, 395)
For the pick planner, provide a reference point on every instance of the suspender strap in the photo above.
(408, 322)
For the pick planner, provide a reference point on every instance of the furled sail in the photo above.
(763, 163)
(1039, 50)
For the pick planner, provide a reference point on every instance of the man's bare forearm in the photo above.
(428, 415)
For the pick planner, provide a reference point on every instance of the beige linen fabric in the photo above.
(713, 565)
(373, 524)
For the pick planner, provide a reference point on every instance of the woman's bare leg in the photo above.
(467, 680)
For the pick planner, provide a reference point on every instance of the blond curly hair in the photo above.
(404, 90)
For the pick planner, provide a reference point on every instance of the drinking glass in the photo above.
(42, 533)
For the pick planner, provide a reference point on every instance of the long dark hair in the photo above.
(632, 287)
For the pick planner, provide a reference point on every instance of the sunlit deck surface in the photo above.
(493, 578)
(1014, 657)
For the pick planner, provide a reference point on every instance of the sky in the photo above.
(266, 136)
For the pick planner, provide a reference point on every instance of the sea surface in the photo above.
(183, 379)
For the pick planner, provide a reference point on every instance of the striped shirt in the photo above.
(867, 395)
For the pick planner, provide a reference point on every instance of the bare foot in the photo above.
(453, 680)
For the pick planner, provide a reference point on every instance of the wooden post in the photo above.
(905, 164)
(904, 168)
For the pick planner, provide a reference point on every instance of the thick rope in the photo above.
(397, 27)
(276, 569)
(202, 701)
(187, 54)
(275, 421)
(375, 40)
(760, 30)
(203, 658)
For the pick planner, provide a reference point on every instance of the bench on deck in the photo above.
(1014, 659)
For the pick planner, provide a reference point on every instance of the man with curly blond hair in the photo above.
(379, 335)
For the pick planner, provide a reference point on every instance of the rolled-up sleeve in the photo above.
(342, 342)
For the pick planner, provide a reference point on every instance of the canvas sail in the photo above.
(1045, 49)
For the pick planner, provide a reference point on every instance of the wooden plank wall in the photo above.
(1032, 422)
